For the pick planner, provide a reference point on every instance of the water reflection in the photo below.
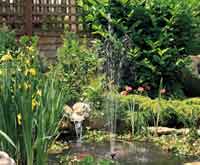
(126, 153)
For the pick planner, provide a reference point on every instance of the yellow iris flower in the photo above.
(39, 92)
(6, 57)
(32, 71)
(34, 104)
(27, 86)
(30, 48)
(19, 119)
(27, 62)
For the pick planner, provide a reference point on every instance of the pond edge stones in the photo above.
(5, 159)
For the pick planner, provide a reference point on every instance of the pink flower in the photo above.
(128, 88)
(124, 93)
(140, 89)
(162, 91)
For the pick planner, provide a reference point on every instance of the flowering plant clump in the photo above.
(144, 90)
(141, 90)
(27, 104)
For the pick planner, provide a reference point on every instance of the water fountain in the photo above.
(111, 108)
(113, 75)
(79, 131)
(77, 114)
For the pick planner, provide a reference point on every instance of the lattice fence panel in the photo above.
(12, 14)
(33, 16)
(48, 15)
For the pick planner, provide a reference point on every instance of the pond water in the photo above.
(126, 153)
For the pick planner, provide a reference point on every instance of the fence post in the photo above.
(28, 12)
(71, 14)
(74, 16)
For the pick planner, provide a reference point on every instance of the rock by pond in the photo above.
(167, 131)
(5, 159)
(192, 163)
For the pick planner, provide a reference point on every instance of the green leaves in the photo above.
(76, 66)
(89, 160)
(163, 51)
(7, 40)
(161, 33)
(7, 138)
(28, 106)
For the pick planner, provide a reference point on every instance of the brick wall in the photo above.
(48, 45)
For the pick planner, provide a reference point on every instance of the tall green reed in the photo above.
(30, 107)
(8, 114)
(159, 105)
(131, 108)
(49, 117)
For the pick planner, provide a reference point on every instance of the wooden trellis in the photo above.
(38, 16)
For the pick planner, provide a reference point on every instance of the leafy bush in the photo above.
(94, 93)
(194, 46)
(8, 41)
(159, 36)
(77, 66)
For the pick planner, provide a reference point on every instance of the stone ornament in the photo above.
(79, 112)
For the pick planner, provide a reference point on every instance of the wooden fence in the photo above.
(38, 16)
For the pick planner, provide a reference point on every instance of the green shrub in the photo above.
(7, 41)
(77, 66)
(155, 38)
(94, 93)
(194, 46)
